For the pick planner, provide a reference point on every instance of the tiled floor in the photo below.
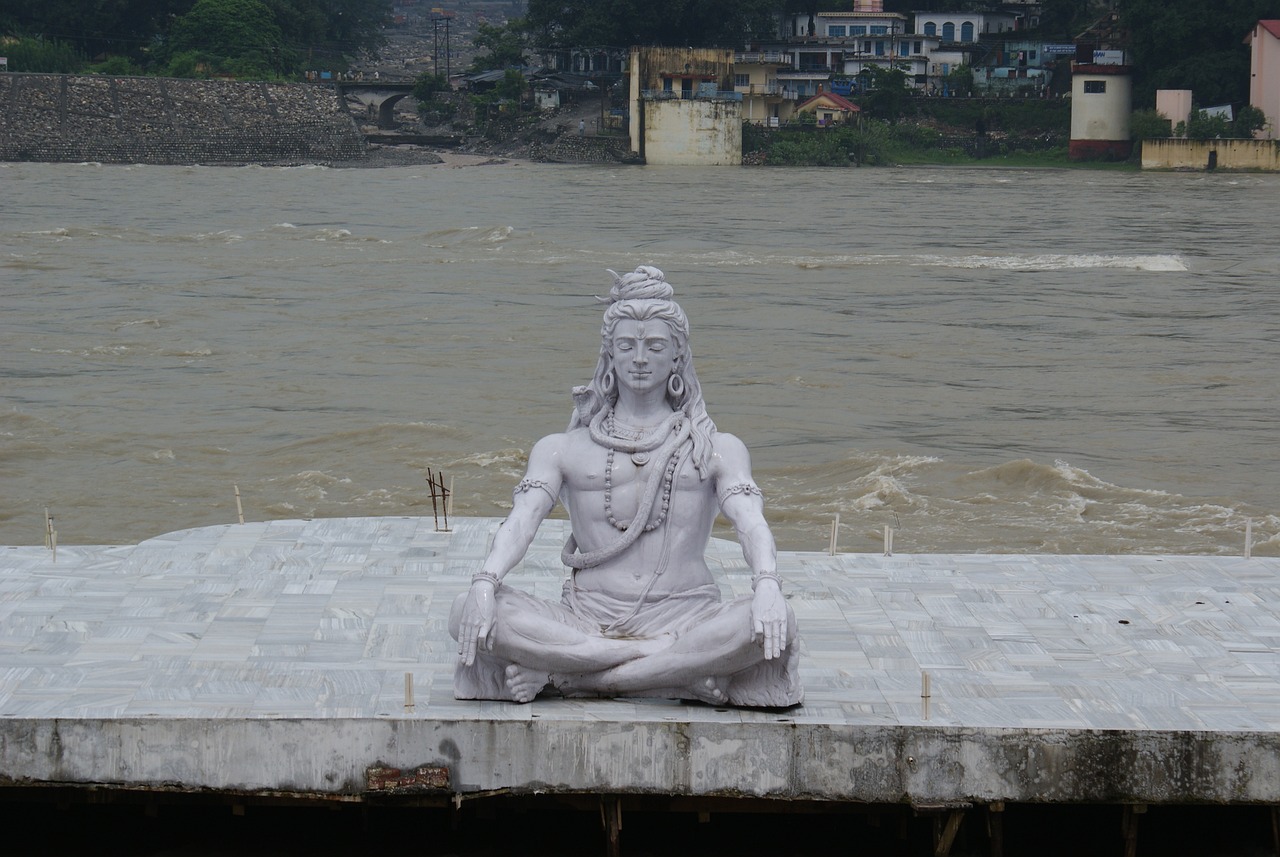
(322, 619)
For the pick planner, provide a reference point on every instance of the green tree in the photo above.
(888, 92)
(125, 27)
(1190, 44)
(231, 30)
(1248, 120)
(511, 87)
(427, 84)
(499, 47)
(1203, 126)
(48, 56)
(960, 80)
(1063, 19)
(701, 23)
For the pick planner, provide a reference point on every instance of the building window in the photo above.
(666, 84)
(948, 32)
(879, 49)
(1031, 55)
(859, 30)
(966, 31)
(743, 80)
(919, 51)
(930, 28)
(866, 47)
(1093, 86)
(836, 30)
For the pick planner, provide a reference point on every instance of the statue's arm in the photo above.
(532, 501)
(742, 503)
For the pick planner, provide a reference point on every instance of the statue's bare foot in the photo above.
(524, 684)
(713, 690)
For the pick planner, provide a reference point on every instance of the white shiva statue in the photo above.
(642, 472)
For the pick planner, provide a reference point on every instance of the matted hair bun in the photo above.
(646, 282)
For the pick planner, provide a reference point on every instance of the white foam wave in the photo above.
(1067, 261)
(1157, 262)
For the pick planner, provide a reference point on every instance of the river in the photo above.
(984, 360)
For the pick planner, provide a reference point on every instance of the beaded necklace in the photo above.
(637, 442)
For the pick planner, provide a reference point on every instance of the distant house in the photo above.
(765, 101)
(1264, 74)
(964, 27)
(830, 109)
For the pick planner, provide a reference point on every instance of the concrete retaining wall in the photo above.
(151, 120)
(693, 131)
(917, 764)
(1211, 154)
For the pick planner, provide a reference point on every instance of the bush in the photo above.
(1148, 125)
(47, 56)
(117, 66)
(426, 85)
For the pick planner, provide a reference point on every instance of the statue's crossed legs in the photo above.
(689, 645)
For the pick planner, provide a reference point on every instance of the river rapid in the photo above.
(985, 360)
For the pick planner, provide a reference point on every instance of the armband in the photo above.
(740, 488)
(527, 484)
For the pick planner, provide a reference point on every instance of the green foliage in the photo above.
(1248, 120)
(511, 87)
(942, 131)
(190, 64)
(243, 31)
(97, 27)
(117, 66)
(499, 47)
(1032, 117)
(1149, 125)
(297, 33)
(39, 55)
(960, 81)
(1190, 44)
(427, 85)
(619, 23)
(840, 146)
(1063, 19)
(888, 92)
(1202, 126)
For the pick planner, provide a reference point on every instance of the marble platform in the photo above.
(273, 656)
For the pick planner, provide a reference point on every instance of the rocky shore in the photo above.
(151, 120)
(72, 118)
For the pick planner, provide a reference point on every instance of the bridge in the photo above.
(378, 97)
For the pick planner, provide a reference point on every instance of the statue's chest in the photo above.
(628, 475)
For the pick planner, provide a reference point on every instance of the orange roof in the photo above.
(1272, 26)
(838, 101)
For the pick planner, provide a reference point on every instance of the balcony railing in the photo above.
(772, 88)
(774, 57)
(693, 95)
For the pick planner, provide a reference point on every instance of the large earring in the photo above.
(675, 385)
(608, 381)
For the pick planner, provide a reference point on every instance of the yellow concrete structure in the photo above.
(1173, 154)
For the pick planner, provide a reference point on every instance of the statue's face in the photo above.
(644, 354)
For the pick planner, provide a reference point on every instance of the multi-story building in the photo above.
(1264, 74)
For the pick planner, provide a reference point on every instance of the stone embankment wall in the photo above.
(570, 149)
(1174, 154)
(153, 120)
